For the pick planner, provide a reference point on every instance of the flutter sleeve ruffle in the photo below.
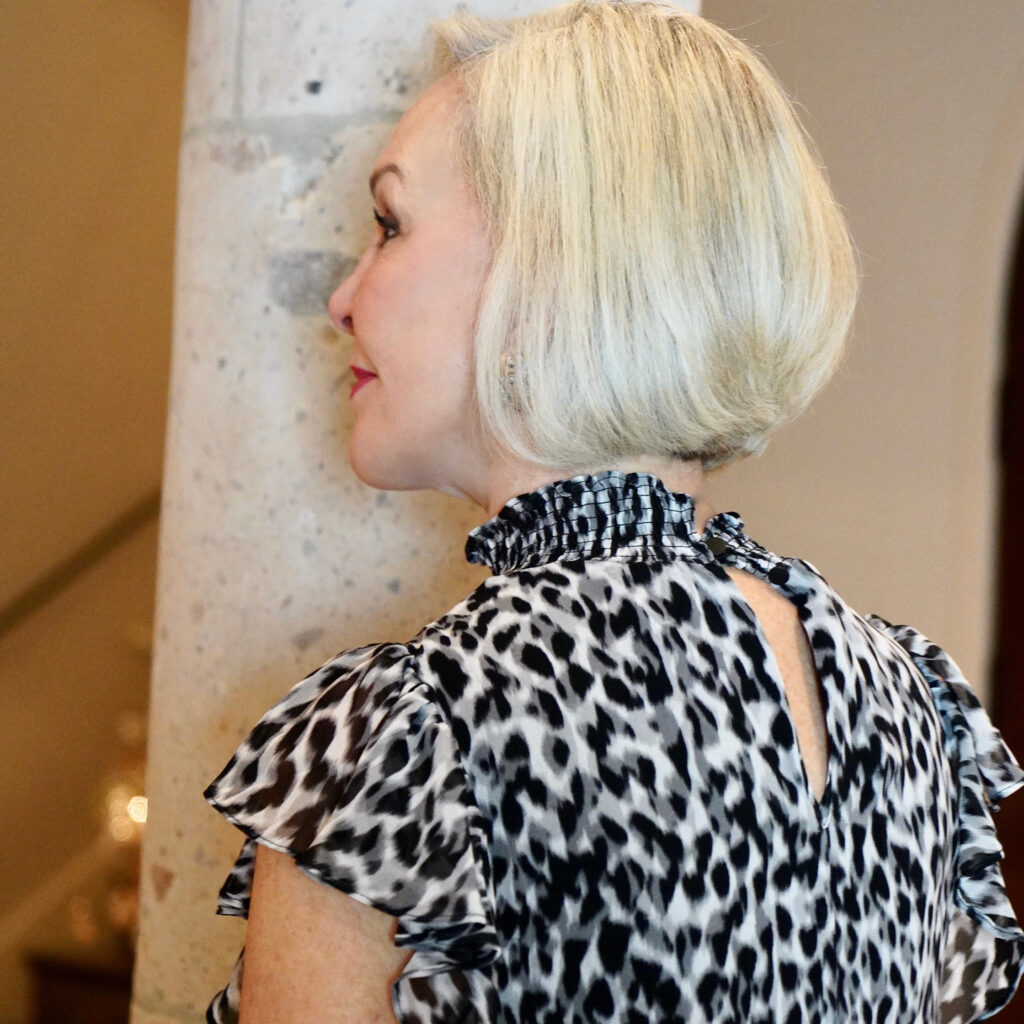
(357, 776)
(985, 950)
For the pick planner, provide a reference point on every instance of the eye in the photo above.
(387, 225)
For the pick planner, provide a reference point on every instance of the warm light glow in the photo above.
(121, 828)
(82, 920)
(117, 798)
(126, 812)
(138, 808)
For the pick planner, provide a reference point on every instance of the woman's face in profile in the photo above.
(410, 306)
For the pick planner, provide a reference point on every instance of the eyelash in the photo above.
(388, 226)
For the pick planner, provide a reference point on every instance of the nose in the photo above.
(339, 305)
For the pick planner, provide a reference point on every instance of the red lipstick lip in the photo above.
(362, 377)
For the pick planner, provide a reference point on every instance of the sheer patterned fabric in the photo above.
(581, 795)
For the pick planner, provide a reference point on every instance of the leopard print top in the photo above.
(581, 795)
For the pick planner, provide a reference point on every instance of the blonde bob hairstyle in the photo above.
(671, 275)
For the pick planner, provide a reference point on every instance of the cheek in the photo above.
(420, 314)
(445, 295)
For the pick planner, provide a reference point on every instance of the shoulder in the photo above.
(355, 687)
(364, 682)
(342, 704)
(480, 622)
(343, 750)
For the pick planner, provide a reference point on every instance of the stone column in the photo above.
(273, 556)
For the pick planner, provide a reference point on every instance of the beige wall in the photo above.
(888, 484)
(90, 103)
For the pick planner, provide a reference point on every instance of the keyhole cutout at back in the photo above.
(785, 635)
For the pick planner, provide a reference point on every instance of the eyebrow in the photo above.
(381, 171)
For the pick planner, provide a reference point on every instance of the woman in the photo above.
(649, 771)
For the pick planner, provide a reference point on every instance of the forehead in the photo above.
(422, 144)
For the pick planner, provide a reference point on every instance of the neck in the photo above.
(508, 479)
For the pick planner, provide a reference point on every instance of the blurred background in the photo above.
(90, 108)
(918, 109)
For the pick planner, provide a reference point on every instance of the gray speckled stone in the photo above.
(272, 555)
(214, 27)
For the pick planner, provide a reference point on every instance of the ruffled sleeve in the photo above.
(357, 776)
(985, 949)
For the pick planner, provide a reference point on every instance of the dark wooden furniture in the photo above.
(80, 990)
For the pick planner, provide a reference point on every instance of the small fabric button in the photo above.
(717, 546)
(778, 575)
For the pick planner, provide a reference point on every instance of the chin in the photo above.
(385, 471)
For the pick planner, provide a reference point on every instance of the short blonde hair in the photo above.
(671, 274)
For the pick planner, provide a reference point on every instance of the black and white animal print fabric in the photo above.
(580, 791)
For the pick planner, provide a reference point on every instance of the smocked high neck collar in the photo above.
(610, 514)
